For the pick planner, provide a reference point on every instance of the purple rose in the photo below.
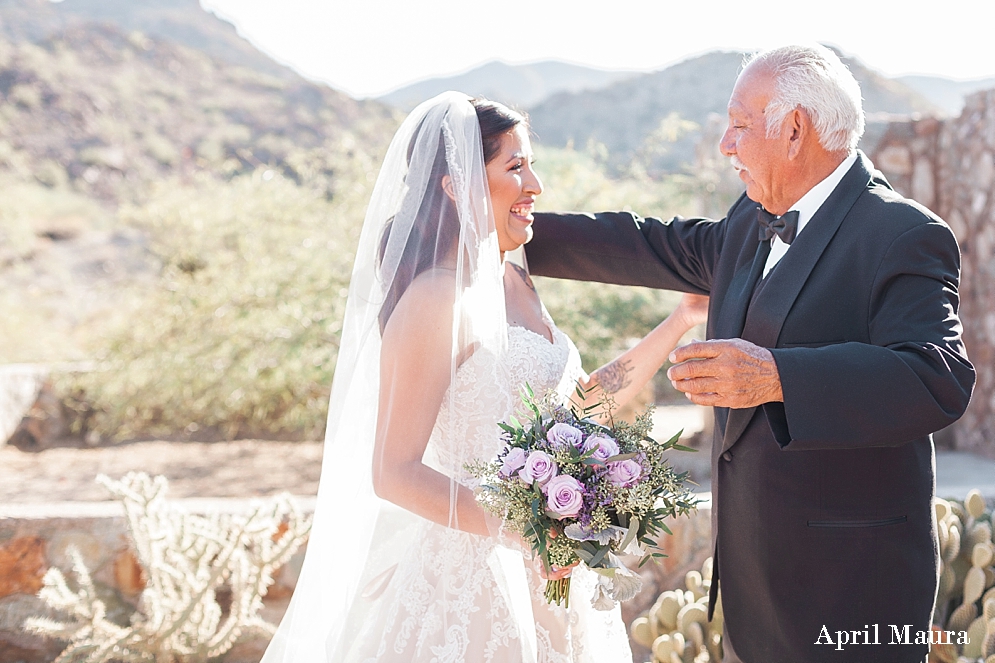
(563, 435)
(603, 446)
(624, 472)
(564, 496)
(538, 467)
(513, 461)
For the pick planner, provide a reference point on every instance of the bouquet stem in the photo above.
(558, 591)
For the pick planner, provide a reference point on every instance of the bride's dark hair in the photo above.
(435, 231)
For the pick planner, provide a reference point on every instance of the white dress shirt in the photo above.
(806, 207)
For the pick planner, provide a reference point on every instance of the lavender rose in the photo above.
(538, 467)
(564, 496)
(603, 446)
(624, 472)
(513, 462)
(562, 435)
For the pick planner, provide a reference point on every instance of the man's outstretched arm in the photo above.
(625, 249)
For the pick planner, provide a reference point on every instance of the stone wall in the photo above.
(949, 166)
(35, 537)
(20, 385)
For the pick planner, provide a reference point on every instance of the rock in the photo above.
(22, 565)
(894, 159)
(16, 644)
(949, 166)
(43, 424)
(19, 388)
(128, 574)
(250, 651)
(93, 552)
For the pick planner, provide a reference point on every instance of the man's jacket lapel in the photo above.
(765, 317)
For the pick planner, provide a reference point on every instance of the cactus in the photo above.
(642, 632)
(974, 585)
(981, 532)
(966, 595)
(962, 617)
(974, 504)
(988, 644)
(666, 614)
(953, 545)
(982, 554)
(975, 637)
(186, 558)
(676, 628)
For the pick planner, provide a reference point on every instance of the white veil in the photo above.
(412, 225)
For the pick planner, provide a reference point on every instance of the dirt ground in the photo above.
(243, 468)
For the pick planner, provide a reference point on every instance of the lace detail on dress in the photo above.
(446, 602)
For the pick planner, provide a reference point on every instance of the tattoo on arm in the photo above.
(525, 276)
(614, 377)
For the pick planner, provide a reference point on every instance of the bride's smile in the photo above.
(514, 186)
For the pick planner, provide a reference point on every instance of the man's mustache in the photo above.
(737, 164)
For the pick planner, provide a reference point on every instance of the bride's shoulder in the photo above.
(427, 301)
(433, 286)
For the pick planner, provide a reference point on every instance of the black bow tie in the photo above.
(784, 226)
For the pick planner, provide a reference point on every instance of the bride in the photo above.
(441, 334)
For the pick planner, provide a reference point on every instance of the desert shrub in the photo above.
(240, 332)
(34, 282)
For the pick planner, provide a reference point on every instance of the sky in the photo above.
(369, 47)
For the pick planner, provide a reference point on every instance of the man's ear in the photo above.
(447, 186)
(798, 124)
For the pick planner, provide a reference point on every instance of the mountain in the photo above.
(105, 105)
(107, 111)
(521, 85)
(179, 21)
(622, 115)
(946, 93)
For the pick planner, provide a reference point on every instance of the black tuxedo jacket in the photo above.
(822, 504)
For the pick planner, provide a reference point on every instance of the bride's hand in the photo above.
(557, 572)
(692, 310)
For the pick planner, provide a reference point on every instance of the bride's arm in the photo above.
(415, 364)
(623, 377)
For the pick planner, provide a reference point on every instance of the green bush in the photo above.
(37, 285)
(239, 334)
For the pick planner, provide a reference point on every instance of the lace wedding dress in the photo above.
(470, 616)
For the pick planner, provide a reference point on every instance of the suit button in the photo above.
(727, 456)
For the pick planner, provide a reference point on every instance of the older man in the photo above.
(834, 352)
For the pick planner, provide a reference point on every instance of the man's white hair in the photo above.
(813, 78)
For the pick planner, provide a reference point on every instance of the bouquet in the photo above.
(581, 492)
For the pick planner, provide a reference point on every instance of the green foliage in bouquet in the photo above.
(188, 560)
(579, 491)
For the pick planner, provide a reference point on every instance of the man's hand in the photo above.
(725, 373)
